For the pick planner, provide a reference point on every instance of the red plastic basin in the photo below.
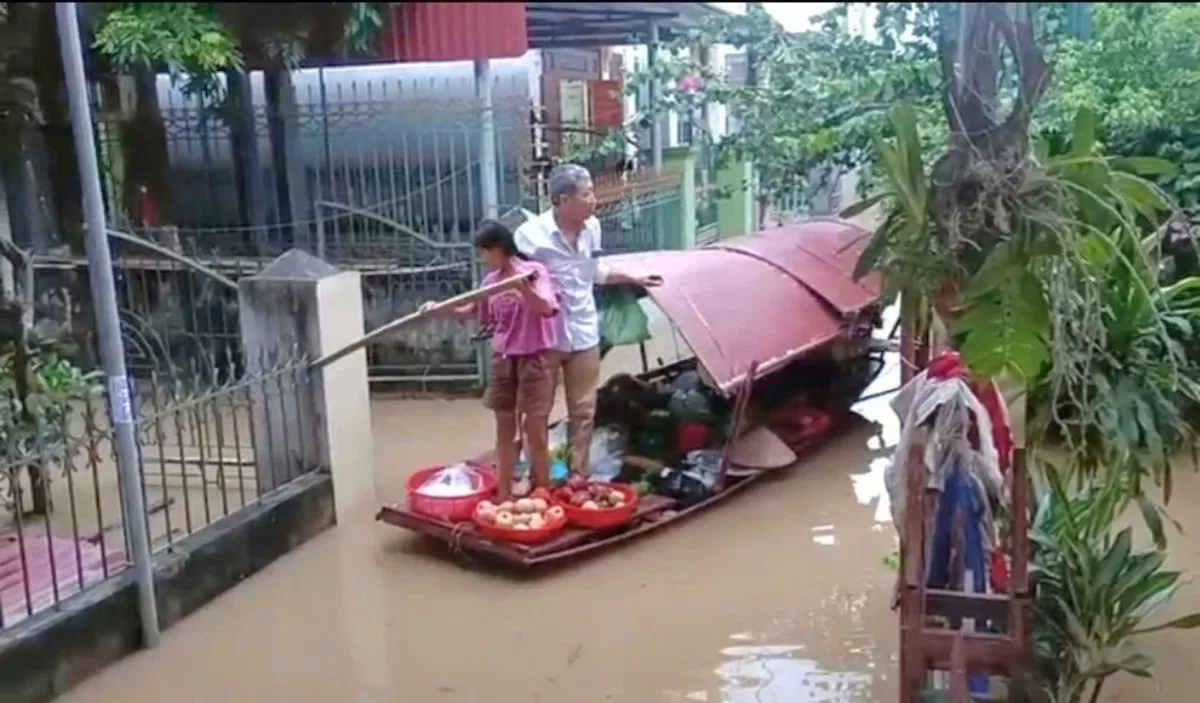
(604, 519)
(449, 509)
(508, 534)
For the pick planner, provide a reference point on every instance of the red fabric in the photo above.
(991, 399)
(946, 366)
(999, 572)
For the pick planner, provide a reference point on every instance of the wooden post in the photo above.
(912, 569)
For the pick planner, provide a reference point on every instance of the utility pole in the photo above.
(108, 325)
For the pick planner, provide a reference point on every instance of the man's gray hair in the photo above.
(567, 180)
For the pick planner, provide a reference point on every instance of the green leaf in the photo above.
(1145, 165)
(1085, 133)
(1187, 622)
(861, 206)
(1153, 520)
(1115, 560)
(871, 255)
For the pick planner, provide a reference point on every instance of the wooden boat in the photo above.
(764, 315)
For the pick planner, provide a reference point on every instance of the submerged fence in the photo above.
(202, 434)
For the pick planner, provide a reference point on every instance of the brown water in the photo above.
(779, 595)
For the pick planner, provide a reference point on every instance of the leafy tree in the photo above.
(198, 44)
(813, 99)
(1138, 75)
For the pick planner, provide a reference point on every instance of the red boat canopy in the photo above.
(767, 298)
(822, 255)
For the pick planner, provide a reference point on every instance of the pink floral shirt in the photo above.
(518, 329)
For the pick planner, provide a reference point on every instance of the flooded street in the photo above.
(781, 594)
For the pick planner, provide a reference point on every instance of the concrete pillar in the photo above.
(300, 304)
(735, 199)
(488, 180)
(656, 128)
(687, 201)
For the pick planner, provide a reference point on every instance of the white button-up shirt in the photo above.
(574, 270)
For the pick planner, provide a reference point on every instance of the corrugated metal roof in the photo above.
(454, 31)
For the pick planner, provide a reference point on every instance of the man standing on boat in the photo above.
(566, 240)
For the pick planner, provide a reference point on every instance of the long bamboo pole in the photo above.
(472, 296)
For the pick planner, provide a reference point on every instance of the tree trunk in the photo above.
(144, 150)
(62, 165)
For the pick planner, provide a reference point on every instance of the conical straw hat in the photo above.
(760, 449)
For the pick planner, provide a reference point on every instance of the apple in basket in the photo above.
(591, 496)
(533, 513)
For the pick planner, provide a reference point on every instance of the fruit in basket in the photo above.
(524, 506)
(487, 512)
(591, 496)
(556, 512)
(504, 519)
(540, 505)
(505, 507)
(536, 522)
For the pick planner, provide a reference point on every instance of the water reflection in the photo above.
(824, 536)
(767, 673)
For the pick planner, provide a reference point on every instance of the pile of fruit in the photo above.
(532, 513)
(578, 492)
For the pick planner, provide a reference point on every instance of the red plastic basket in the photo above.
(448, 509)
(507, 534)
(604, 519)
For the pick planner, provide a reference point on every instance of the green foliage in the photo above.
(1138, 75)
(1067, 296)
(1096, 590)
(1138, 69)
(820, 97)
(195, 42)
(33, 414)
(187, 38)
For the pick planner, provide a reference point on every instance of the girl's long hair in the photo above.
(494, 235)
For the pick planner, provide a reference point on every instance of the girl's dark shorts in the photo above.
(523, 383)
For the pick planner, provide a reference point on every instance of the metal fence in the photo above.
(823, 196)
(706, 188)
(640, 211)
(62, 524)
(380, 175)
(406, 150)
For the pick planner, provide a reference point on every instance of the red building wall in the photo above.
(454, 31)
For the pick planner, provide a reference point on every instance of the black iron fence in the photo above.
(201, 446)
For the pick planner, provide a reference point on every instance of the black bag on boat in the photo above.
(682, 487)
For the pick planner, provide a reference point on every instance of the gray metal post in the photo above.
(487, 139)
(104, 298)
(656, 128)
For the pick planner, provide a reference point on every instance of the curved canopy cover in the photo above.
(767, 298)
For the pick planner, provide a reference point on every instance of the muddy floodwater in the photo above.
(781, 594)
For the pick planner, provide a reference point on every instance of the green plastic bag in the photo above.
(622, 319)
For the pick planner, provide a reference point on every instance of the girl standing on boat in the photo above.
(524, 366)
